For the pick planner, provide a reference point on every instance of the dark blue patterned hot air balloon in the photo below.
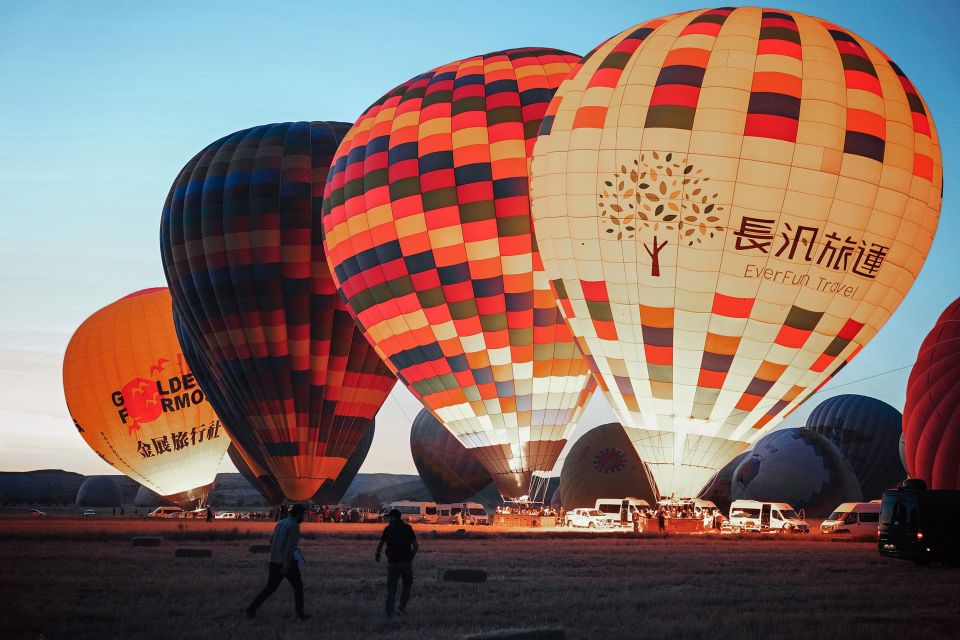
(799, 467)
(294, 381)
(450, 471)
(867, 431)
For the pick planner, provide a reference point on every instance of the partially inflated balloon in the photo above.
(931, 415)
(730, 203)
(603, 464)
(428, 234)
(867, 431)
(297, 384)
(450, 471)
(799, 467)
(134, 400)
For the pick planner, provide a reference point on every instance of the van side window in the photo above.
(870, 517)
(850, 519)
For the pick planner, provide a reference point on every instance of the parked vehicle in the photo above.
(414, 511)
(226, 515)
(473, 513)
(89, 513)
(854, 518)
(589, 518)
(165, 512)
(617, 510)
(752, 515)
(920, 524)
(36, 513)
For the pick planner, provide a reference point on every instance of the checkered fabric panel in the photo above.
(428, 235)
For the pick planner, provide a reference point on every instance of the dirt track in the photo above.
(73, 578)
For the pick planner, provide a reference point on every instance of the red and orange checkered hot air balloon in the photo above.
(135, 401)
(428, 234)
(730, 203)
(275, 348)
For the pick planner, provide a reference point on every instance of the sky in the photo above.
(101, 104)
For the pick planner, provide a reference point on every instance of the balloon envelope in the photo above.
(428, 235)
(450, 470)
(602, 463)
(135, 401)
(931, 415)
(730, 203)
(799, 467)
(99, 491)
(241, 245)
(867, 432)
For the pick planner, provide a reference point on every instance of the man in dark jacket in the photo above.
(401, 549)
(285, 559)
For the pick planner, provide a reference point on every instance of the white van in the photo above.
(751, 515)
(165, 512)
(612, 507)
(415, 511)
(473, 513)
(854, 518)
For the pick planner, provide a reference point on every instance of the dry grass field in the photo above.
(70, 578)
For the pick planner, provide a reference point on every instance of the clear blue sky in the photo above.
(101, 103)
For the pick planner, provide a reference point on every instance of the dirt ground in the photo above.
(81, 578)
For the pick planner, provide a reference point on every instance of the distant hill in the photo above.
(56, 487)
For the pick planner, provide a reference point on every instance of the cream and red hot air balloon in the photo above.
(135, 401)
(428, 235)
(280, 356)
(730, 203)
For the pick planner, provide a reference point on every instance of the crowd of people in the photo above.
(526, 509)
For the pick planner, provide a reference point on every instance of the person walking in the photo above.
(660, 520)
(209, 514)
(402, 548)
(636, 521)
(285, 559)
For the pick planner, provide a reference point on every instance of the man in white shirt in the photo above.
(284, 556)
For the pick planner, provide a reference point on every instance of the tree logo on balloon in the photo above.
(662, 195)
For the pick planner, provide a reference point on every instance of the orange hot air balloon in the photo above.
(730, 203)
(135, 401)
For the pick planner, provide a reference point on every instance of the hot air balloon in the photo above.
(717, 490)
(135, 401)
(867, 432)
(99, 491)
(730, 203)
(931, 415)
(799, 467)
(602, 463)
(428, 235)
(450, 471)
(279, 354)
